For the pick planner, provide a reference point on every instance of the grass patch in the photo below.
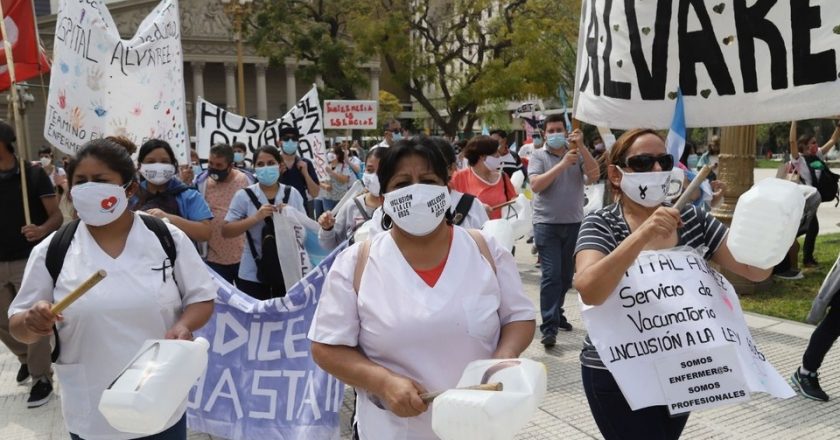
(791, 299)
(767, 163)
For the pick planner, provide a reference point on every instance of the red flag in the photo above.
(30, 60)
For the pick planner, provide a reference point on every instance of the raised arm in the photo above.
(831, 142)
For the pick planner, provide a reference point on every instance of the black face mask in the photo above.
(218, 175)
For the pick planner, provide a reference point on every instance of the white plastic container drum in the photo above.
(491, 415)
(145, 396)
(502, 231)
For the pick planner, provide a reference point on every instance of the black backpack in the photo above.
(826, 184)
(60, 243)
(269, 272)
(462, 209)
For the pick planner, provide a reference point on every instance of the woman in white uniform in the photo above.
(388, 303)
(144, 296)
(353, 214)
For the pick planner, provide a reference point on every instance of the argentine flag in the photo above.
(676, 137)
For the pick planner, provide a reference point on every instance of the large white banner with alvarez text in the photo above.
(215, 125)
(102, 85)
(737, 62)
(673, 333)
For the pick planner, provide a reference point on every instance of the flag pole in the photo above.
(10, 64)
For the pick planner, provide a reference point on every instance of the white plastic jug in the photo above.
(518, 179)
(765, 222)
(145, 396)
(491, 415)
(501, 230)
(520, 216)
(593, 197)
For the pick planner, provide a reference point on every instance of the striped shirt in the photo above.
(604, 229)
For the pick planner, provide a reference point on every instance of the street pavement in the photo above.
(565, 414)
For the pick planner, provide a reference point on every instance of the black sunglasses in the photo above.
(643, 163)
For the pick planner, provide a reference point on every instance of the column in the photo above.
(198, 80)
(291, 83)
(262, 91)
(737, 159)
(230, 87)
(374, 83)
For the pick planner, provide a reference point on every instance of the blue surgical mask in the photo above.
(538, 141)
(196, 170)
(556, 141)
(267, 175)
(397, 136)
(290, 147)
(238, 157)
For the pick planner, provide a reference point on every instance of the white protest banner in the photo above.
(351, 115)
(672, 313)
(736, 63)
(215, 125)
(102, 85)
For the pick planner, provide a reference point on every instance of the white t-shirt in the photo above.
(102, 331)
(399, 321)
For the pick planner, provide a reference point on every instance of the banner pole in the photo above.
(22, 151)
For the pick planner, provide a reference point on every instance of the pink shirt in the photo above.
(218, 195)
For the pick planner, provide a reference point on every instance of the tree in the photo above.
(389, 107)
(313, 31)
(453, 56)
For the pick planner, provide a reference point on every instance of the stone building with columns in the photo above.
(210, 66)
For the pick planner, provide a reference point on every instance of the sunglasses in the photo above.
(644, 163)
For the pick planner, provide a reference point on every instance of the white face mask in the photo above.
(158, 173)
(676, 185)
(493, 162)
(99, 204)
(45, 162)
(331, 157)
(417, 209)
(371, 182)
(647, 189)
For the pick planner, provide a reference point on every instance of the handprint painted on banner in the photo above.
(120, 126)
(62, 99)
(98, 108)
(64, 67)
(77, 69)
(94, 79)
(77, 118)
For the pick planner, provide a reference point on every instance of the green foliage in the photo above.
(316, 33)
(454, 56)
(389, 107)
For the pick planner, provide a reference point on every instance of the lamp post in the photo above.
(237, 10)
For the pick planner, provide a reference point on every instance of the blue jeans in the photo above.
(617, 421)
(178, 431)
(556, 246)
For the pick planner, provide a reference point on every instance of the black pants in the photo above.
(823, 337)
(810, 239)
(617, 421)
(227, 271)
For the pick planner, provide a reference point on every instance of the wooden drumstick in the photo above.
(429, 397)
(78, 292)
(698, 180)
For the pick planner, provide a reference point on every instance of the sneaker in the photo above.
(810, 263)
(790, 275)
(23, 374)
(548, 341)
(808, 385)
(565, 326)
(40, 393)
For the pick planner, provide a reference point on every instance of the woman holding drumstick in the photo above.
(388, 304)
(610, 241)
(144, 296)
(482, 178)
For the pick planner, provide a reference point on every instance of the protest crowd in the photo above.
(386, 264)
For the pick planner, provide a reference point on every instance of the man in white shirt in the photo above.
(391, 133)
(536, 143)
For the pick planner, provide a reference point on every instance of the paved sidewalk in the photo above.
(564, 413)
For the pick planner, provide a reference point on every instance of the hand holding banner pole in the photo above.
(10, 64)
(78, 292)
(698, 180)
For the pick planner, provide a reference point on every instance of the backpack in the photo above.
(60, 243)
(269, 272)
(826, 183)
(462, 209)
